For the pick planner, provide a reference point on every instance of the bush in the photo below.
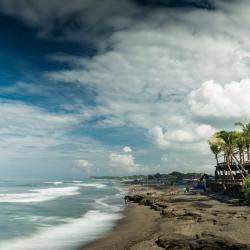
(246, 188)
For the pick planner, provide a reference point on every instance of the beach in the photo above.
(164, 219)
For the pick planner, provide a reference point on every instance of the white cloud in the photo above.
(84, 165)
(124, 162)
(127, 149)
(159, 136)
(23, 126)
(188, 134)
(35, 138)
(223, 101)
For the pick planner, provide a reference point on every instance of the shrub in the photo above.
(246, 188)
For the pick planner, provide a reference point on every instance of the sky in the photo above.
(91, 87)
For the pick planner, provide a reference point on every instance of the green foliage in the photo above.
(246, 188)
(240, 141)
(227, 141)
(245, 128)
(215, 148)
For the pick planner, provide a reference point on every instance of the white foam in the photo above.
(123, 191)
(106, 205)
(101, 202)
(96, 185)
(53, 182)
(43, 219)
(77, 181)
(66, 236)
(39, 195)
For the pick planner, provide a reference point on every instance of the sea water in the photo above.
(57, 214)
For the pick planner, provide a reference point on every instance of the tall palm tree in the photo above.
(246, 134)
(240, 143)
(227, 142)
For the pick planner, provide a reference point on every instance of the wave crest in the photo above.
(66, 236)
(39, 195)
(96, 185)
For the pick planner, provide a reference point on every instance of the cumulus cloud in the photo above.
(127, 149)
(124, 162)
(84, 165)
(190, 134)
(223, 101)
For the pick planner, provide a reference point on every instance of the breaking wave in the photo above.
(39, 195)
(66, 236)
(96, 185)
(53, 182)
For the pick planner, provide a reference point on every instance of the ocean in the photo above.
(57, 214)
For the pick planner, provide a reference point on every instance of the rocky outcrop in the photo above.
(199, 212)
(211, 242)
(146, 201)
(134, 198)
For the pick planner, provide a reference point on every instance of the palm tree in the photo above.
(240, 143)
(232, 143)
(227, 142)
(246, 134)
(215, 148)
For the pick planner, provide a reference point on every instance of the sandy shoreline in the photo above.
(179, 221)
(130, 230)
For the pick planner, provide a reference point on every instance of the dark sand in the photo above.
(179, 221)
(138, 225)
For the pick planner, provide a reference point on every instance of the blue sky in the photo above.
(90, 88)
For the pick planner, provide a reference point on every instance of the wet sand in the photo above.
(158, 220)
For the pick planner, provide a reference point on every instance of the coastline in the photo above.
(134, 229)
(128, 231)
(177, 221)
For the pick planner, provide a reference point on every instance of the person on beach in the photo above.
(126, 200)
(186, 189)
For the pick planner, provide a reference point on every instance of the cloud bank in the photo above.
(166, 70)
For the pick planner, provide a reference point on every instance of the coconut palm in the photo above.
(240, 143)
(246, 135)
(215, 148)
(227, 142)
(215, 145)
